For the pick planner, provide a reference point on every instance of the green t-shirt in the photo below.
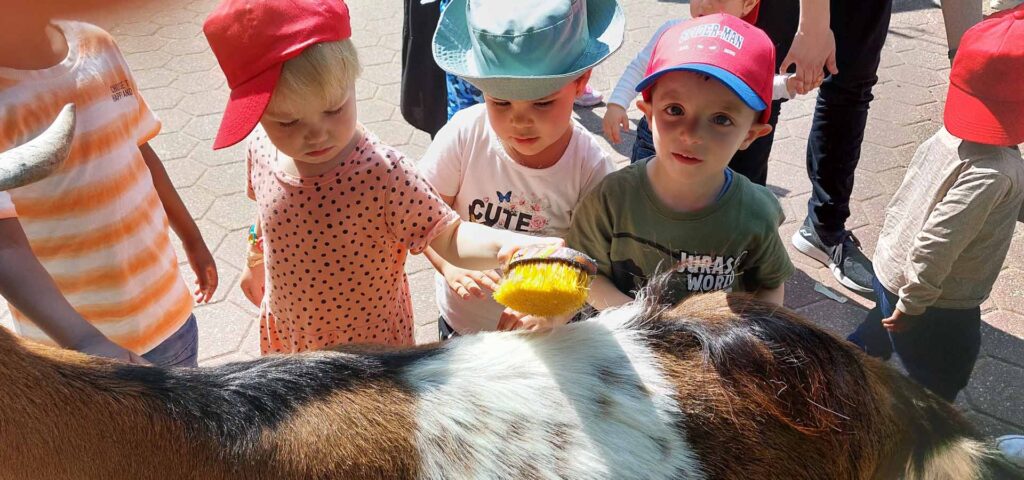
(733, 244)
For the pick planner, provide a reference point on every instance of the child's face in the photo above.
(528, 127)
(698, 124)
(736, 8)
(312, 132)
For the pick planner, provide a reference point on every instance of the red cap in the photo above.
(985, 103)
(722, 46)
(252, 39)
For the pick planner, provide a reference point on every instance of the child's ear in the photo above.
(645, 107)
(581, 82)
(757, 130)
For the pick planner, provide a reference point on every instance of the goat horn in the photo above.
(39, 157)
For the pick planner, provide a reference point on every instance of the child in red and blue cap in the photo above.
(707, 94)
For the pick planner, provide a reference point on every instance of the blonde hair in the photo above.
(323, 71)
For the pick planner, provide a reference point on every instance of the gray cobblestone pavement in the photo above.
(178, 75)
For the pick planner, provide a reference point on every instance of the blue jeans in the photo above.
(180, 349)
(939, 350)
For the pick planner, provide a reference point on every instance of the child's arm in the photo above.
(604, 294)
(253, 282)
(477, 247)
(28, 286)
(465, 283)
(625, 90)
(199, 256)
(952, 225)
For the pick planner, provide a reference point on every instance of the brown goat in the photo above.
(719, 387)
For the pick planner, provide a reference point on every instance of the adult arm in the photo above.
(814, 45)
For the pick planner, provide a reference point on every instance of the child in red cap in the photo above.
(337, 210)
(948, 227)
(706, 95)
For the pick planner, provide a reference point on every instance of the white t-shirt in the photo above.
(625, 89)
(467, 161)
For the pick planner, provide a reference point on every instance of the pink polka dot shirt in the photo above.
(335, 246)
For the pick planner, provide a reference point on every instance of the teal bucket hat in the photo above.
(525, 49)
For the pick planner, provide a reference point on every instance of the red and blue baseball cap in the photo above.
(724, 47)
(252, 39)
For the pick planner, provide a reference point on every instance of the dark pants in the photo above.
(837, 129)
(423, 92)
(643, 147)
(445, 331)
(940, 349)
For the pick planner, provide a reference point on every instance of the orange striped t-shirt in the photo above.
(96, 224)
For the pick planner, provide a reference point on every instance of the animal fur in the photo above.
(719, 387)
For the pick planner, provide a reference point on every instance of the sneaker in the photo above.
(1012, 447)
(1003, 4)
(589, 98)
(847, 262)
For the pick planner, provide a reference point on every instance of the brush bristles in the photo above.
(545, 289)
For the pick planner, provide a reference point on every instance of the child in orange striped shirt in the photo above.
(99, 223)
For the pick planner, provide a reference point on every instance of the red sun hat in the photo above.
(252, 39)
(985, 102)
(724, 47)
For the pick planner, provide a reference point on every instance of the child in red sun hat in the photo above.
(948, 228)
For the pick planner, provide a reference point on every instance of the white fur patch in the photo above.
(586, 401)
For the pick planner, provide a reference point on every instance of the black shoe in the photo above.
(847, 262)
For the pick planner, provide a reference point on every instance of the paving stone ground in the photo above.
(179, 78)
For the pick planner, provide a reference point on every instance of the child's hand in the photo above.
(614, 118)
(104, 347)
(470, 283)
(518, 240)
(513, 320)
(898, 322)
(795, 87)
(205, 268)
(253, 283)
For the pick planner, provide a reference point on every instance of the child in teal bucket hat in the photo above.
(519, 161)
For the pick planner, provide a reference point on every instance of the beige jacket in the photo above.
(948, 227)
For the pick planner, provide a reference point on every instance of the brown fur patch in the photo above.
(767, 395)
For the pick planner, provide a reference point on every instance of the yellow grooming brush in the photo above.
(546, 281)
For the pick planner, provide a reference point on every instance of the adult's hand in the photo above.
(813, 50)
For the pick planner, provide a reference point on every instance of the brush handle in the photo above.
(550, 253)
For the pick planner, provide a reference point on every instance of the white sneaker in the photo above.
(1012, 447)
(1003, 4)
(589, 98)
